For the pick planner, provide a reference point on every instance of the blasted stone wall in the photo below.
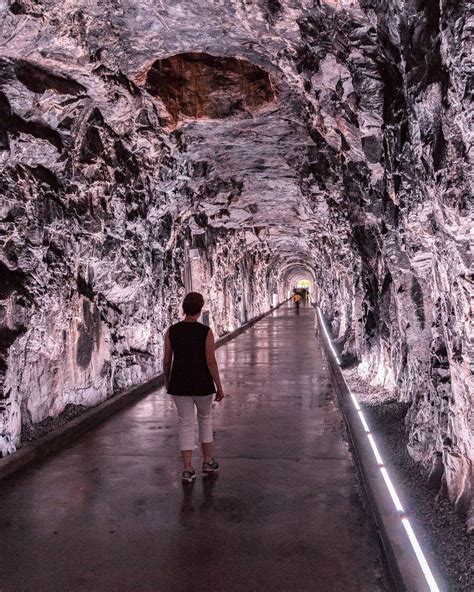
(411, 308)
(84, 240)
(262, 135)
(93, 252)
(399, 296)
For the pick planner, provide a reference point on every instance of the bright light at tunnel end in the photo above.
(425, 568)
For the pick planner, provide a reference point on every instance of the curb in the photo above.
(404, 567)
(59, 438)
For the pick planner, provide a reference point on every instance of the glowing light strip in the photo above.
(420, 556)
(425, 568)
(356, 402)
(391, 488)
(327, 335)
(364, 423)
(377, 455)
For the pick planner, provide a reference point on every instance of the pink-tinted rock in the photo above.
(147, 145)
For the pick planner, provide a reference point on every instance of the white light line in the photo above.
(391, 489)
(327, 335)
(420, 556)
(362, 419)
(386, 477)
(355, 401)
(375, 450)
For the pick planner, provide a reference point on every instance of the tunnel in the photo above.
(245, 150)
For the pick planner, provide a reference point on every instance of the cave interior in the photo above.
(237, 148)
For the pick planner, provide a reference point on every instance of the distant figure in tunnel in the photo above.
(297, 301)
(192, 377)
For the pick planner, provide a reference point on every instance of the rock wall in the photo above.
(411, 311)
(149, 149)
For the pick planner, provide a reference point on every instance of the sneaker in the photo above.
(188, 476)
(210, 468)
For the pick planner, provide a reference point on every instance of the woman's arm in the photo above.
(212, 364)
(167, 358)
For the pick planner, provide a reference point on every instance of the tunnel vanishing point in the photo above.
(235, 148)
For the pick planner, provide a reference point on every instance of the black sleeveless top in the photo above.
(190, 376)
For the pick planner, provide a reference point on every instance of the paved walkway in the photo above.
(109, 513)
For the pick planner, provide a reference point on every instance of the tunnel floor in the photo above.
(109, 513)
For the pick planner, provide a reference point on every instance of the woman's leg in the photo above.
(204, 413)
(207, 450)
(185, 407)
(187, 458)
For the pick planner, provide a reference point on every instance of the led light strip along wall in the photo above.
(433, 586)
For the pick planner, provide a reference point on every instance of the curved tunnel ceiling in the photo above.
(291, 274)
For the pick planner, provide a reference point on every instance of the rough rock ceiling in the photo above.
(200, 86)
(262, 157)
(256, 160)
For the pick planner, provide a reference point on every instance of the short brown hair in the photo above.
(193, 303)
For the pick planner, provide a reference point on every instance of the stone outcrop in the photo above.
(199, 85)
(146, 148)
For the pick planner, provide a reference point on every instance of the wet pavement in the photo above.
(109, 513)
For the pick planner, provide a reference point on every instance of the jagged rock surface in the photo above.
(238, 143)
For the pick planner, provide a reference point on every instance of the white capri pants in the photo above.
(185, 406)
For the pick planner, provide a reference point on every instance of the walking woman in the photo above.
(192, 377)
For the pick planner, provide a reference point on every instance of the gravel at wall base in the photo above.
(439, 527)
(30, 433)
